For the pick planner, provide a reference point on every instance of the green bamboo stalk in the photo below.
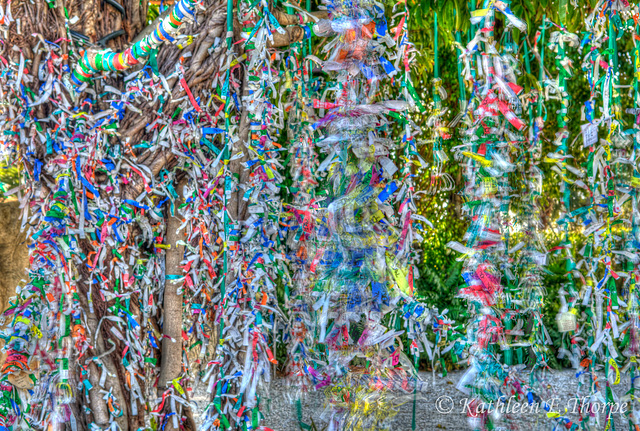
(436, 72)
(461, 87)
(541, 74)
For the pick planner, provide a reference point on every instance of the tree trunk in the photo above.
(172, 342)
(171, 364)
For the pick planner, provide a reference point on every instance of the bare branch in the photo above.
(286, 19)
(293, 34)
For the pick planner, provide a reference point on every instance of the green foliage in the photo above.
(9, 178)
(454, 16)
(553, 282)
(153, 11)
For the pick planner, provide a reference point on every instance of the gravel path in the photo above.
(439, 406)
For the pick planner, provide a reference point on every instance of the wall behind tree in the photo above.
(14, 257)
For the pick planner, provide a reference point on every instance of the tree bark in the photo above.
(105, 364)
(172, 304)
(172, 342)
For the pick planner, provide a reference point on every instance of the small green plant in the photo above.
(9, 178)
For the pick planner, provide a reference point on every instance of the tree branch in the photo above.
(293, 34)
(286, 19)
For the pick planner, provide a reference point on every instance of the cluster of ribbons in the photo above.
(353, 232)
(599, 314)
(291, 209)
(87, 327)
(504, 254)
(92, 60)
(299, 219)
(248, 309)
